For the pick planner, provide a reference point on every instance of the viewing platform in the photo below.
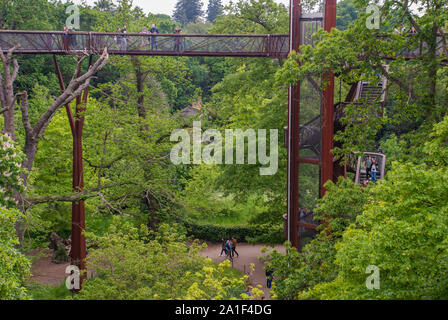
(214, 45)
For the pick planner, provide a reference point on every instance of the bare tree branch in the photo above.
(110, 206)
(25, 114)
(73, 90)
(73, 197)
(444, 45)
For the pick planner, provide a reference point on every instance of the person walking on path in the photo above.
(223, 247)
(233, 244)
(228, 248)
(269, 275)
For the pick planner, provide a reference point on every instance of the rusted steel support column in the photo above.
(78, 250)
(293, 133)
(328, 106)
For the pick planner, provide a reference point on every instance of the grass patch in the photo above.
(235, 214)
(40, 291)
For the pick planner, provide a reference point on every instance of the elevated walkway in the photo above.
(218, 45)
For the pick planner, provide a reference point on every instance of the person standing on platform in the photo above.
(145, 41)
(374, 170)
(118, 37)
(124, 41)
(153, 31)
(65, 38)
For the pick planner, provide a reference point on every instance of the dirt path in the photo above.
(46, 272)
(248, 254)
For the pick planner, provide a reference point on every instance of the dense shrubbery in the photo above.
(315, 264)
(398, 225)
(262, 233)
(402, 231)
(14, 267)
(128, 266)
(214, 233)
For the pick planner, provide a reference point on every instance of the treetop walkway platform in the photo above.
(213, 45)
(218, 45)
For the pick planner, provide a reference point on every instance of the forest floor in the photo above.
(248, 254)
(46, 272)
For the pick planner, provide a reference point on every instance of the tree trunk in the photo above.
(140, 79)
(432, 73)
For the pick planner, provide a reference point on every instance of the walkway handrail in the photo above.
(60, 42)
(222, 45)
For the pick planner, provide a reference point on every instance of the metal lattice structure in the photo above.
(316, 135)
(213, 45)
(45, 42)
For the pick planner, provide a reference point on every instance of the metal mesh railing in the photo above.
(41, 42)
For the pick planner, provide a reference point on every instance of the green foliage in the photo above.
(402, 232)
(60, 254)
(47, 292)
(346, 14)
(436, 147)
(130, 267)
(214, 232)
(340, 205)
(187, 11)
(398, 225)
(214, 9)
(14, 267)
(416, 88)
(254, 16)
(296, 272)
(21, 15)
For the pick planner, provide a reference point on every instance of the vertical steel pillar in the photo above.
(328, 106)
(293, 132)
(78, 250)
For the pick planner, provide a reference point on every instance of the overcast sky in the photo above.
(167, 6)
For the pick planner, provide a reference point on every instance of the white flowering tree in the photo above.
(14, 267)
(10, 171)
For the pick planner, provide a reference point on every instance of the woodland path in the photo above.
(248, 254)
(48, 273)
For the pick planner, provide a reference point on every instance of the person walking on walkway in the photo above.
(178, 43)
(153, 31)
(124, 41)
(367, 165)
(233, 243)
(145, 41)
(71, 38)
(374, 170)
(118, 37)
(65, 38)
